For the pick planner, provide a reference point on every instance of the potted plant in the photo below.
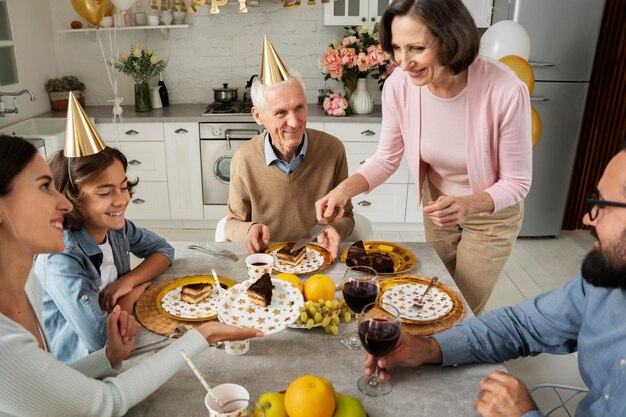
(59, 91)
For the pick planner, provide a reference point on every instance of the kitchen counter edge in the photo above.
(191, 113)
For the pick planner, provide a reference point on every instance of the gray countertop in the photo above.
(191, 113)
(275, 360)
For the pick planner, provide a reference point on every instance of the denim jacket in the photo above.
(74, 321)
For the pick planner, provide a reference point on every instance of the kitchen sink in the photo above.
(51, 130)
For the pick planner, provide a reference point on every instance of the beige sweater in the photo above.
(284, 202)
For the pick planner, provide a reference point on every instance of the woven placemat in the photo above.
(150, 317)
(453, 317)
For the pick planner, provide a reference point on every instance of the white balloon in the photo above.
(505, 38)
(123, 4)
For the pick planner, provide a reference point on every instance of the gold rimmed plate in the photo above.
(403, 259)
(317, 259)
(440, 303)
(169, 304)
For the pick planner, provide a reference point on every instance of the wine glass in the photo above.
(379, 329)
(359, 287)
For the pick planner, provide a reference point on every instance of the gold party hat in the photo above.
(81, 138)
(273, 71)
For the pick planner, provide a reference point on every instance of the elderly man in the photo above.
(585, 315)
(276, 177)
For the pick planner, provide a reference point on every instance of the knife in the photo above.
(315, 231)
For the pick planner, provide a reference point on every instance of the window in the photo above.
(8, 68)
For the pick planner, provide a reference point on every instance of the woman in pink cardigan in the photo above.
(463, 122)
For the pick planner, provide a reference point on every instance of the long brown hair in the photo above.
(82, 169)
(15, 154)
(448, 20)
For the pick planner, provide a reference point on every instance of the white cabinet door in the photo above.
(358, 152)
(354, 132)
(149, 202)
(146, 160)
(184, 176)
(133, 132)
(413, 209)
(481, 11)
(353, 12)
(386, 203)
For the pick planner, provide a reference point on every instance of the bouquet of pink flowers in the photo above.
(357, 55)
(335, 105)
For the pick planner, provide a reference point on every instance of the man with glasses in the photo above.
(586, 315)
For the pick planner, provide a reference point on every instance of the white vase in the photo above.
(361, 101)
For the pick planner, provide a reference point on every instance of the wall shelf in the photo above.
(163, 28)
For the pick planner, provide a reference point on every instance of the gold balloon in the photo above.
(536, 125)
(90, 10)
(522, 68)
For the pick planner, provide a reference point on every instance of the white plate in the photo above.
(436, 303)
(317, 258)
(236, 309)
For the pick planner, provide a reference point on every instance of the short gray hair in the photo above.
(257, 91)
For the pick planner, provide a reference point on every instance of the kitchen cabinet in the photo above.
(353, 12)
(183, 174)
(144, 147)
(481, 11)
(413, 208)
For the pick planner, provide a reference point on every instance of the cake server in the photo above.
(315, 231)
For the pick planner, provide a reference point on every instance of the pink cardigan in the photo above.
(499, 145)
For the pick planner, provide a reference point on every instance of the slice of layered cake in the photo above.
(260, 292)
(287, 255)
(195, 293)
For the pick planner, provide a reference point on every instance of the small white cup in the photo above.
(238, 347)
(259, 264)
(153, 20)
(226, 393)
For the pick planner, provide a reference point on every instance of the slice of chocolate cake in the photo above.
(287, 255)
(195, 293)
(379, 262)
(260, 292)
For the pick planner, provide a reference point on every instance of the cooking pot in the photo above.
(225, 94)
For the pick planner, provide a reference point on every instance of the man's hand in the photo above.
(121, 329)
(409, 351)
(113, 292)
(503, 395)
(258, 237)
(329, 240)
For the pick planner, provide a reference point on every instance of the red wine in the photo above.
(379, 336)
(358, 294)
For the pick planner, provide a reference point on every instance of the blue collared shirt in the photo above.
(286, 167)
(575, 317)
(74, 322)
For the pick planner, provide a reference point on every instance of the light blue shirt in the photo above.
(74, 321)
(285, 166)
(575, 317)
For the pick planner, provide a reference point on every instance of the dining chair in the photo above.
(562, 396)
(362, 229)
(220, 236)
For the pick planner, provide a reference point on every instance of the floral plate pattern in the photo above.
(169, 303)
(236, 309)
(437, 304)
(317, 259)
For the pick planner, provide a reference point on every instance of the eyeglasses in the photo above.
(595, 204)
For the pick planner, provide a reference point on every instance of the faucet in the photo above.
(3, 111)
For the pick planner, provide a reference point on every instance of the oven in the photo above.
(218, 143)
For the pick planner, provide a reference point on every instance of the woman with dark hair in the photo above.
(463, 122)
(32, 381)
(93, 274)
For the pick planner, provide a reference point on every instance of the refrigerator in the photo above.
(563, 36)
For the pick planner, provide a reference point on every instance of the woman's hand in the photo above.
(219, 332)
(113, 292)
(409, 351)
(332, 204)
(447, 210)
(329, 240)
(121, 329)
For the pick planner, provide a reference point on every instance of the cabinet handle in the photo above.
(541, 64)
(181, 130)
(132, 132)
(367, 133)
(373, 19)
(134, 162)
(539, 99)
(138, 201)
(364, 203)
(362, 162)
(363, 19)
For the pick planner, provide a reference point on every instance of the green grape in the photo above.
(328, 303)
(327, 329)
(308, 304)
(309, 324)
(312, 310)
(347, 317)
(318, 317)
(304, 317)
(335, 319)
(326, 321)
(334, 329)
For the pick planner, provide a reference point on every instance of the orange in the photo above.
(319, 287)
(309, 396)
(291, 278)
